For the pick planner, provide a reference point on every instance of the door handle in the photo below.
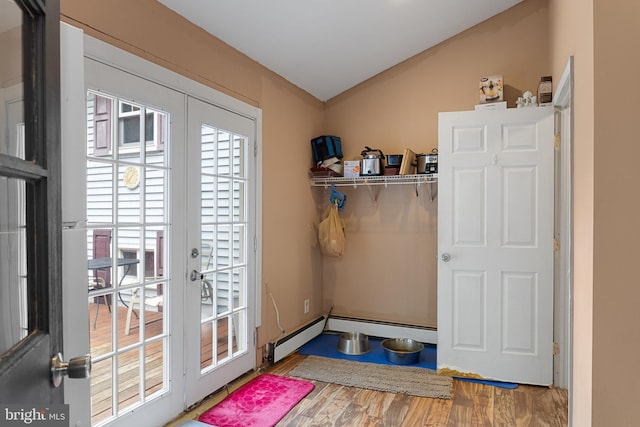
(446, 257)
(77, 367)
(195, 275)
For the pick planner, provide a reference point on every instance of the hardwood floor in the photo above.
(473, 404)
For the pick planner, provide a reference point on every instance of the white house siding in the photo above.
(137, 214)
(142, 209)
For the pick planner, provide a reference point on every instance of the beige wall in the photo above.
(616, 341)
(291, 118)
(389, 269)
(10, 52)
(395, 233)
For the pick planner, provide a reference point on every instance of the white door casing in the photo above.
(74, 275)
(495, 243)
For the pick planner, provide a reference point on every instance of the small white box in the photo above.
(351, 168)
(493, 106)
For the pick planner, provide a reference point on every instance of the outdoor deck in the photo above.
(129, 392)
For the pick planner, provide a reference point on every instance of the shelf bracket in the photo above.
(430, 191)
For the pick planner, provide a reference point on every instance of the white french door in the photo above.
(148, 201)
(495, 242)
(134, 155)
(220, 247)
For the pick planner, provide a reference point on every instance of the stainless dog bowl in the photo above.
(403, 351)
(353, 343)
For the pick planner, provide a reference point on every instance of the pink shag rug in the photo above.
(261, 402)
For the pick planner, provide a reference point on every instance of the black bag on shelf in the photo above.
(325, 147)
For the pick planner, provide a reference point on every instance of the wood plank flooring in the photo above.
(473, 404)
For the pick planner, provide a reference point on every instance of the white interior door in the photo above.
(495, 243)
(221, 248)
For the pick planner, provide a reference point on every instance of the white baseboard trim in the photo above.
(380, 329)
(284, 346)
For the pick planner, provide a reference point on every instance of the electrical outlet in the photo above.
(306, 306)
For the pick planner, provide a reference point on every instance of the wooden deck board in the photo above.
(129, 392)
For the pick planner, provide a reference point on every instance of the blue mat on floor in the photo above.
(326, 345)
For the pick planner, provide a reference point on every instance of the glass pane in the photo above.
(154, 193)
(238, 244)
(223, 246)
(101, 392)
(129, 194)
(223, 200)
(128, 379)
(239, 143)
(224, 153)
(206, 344)
(224, 336)
(208, 150)
(153, 314)
(208, 201)
(99, 192)
(11, 87)
(207, 297)
(13, 263)
(130, 258)
(130, 130)
(157, 132)
(239, 341)
(239, 294)
(238, 201)
(154, 371)
(223, 295)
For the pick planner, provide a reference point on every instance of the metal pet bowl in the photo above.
(403, 351)
(353, 343)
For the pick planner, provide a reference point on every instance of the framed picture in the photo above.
(491, 89)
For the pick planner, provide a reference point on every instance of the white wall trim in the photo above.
(140, 67)
(563, 102)
(383, 329)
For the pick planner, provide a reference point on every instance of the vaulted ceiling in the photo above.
(328, 46)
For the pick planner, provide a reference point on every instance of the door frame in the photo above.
(33, 354)
(563, 316)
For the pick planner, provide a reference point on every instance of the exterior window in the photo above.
(129, 116)
(127, 128)
(149, 263)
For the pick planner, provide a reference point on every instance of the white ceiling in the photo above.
(328, 46)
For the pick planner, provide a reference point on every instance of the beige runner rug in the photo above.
(392, 378)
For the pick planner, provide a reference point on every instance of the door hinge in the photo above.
(255, 149)
(556, 245)
(556, 140)
(556, 348)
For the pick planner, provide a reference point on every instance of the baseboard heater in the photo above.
(382, 329)
(282, 347)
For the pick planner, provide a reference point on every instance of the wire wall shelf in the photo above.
(385, 180)
(379, 180)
